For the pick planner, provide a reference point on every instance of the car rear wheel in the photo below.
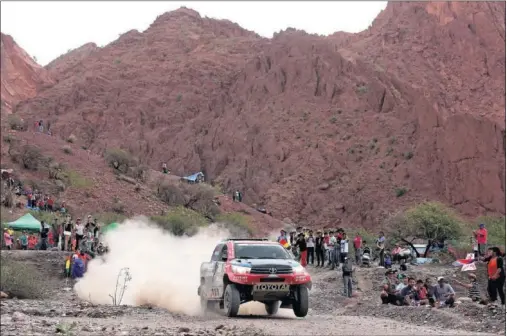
(272, 307)
(300, 305)
(232, 300)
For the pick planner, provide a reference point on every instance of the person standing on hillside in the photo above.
(44, 233)
(481, 235)
(7, 239)
(79, 232)
(344, 247)
(310, 245)
(381, 243)
(319, 249)
(347, 270)
(164, 168)
(358, 247)
(67, 232)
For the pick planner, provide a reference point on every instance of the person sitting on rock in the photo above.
(395, 253)
(422, 294)
(444, 294)
(388, 293)
(474, 293)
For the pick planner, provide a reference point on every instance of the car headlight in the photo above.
(299, 270)
(240, 269)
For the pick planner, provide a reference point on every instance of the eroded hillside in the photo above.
(319, 129)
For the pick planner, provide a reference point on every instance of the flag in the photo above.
(468, 267)
(284, 243)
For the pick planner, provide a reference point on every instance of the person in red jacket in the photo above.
(481, 235)
(358, 248)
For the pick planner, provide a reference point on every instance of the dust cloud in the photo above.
(164, 269)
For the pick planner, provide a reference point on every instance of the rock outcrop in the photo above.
(22, 77)
(412, 108)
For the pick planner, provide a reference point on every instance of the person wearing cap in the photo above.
(444, 294)
(474, 293)
(481, 235)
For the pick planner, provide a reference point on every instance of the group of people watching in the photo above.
(65, 235)
(402, 290)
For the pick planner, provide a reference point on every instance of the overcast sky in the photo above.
(47, 30)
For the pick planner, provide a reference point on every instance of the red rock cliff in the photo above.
(345, 128)
(21, 76)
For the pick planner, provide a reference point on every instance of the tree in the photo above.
(431, 221)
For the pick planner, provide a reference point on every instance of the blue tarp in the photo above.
(194, 177)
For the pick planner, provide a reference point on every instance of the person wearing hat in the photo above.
(444, 294)
(388, 293)
(474, 293)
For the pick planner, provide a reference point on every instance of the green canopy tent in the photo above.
(110, 227)
(25, 222)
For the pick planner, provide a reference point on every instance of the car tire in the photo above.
(232, 300)
(272, 307)
(300, 305)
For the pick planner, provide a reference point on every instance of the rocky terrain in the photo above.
(413, 108)
(62, 312)
(22, 77)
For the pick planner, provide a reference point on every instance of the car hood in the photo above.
(262, 262)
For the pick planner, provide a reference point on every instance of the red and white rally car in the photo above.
(243, 270)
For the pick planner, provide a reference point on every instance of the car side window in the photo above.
(217, 253)
(223, 253)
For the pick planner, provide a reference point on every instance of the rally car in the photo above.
(243, 270)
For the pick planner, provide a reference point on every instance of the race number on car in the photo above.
(274, 287)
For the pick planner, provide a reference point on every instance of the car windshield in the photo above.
(260, 251)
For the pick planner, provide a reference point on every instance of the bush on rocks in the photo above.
(180, 221)
(237, 224)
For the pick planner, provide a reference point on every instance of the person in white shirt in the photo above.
(310, 245)
(344, 247)
(79, 232)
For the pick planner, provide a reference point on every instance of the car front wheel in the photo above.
(300, 305)
(232, 300)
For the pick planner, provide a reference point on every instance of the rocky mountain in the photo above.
(21, 76)
(345, 128)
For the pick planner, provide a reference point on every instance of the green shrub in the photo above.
(236, 223)
(408, 155)
(120, 159)
(181, 221)
(171, 194)
(67, 150)
(201, 198)
(109, 217)
(74, 179)
(20, 280)
(15, 122)
(31, 157)
(400, 192)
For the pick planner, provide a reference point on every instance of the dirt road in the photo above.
(331, 314)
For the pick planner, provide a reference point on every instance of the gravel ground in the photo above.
(330, 314)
